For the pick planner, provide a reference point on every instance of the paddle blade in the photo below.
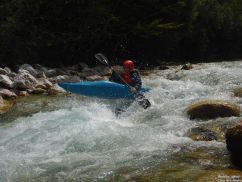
(101, 58)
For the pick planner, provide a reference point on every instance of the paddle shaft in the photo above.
(104, 60)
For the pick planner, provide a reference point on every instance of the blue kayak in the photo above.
(101, 89)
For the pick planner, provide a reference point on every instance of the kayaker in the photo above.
(130, 76)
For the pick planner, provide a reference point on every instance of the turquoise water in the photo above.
(80, 139)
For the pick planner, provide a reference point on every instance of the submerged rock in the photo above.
(234, 143)
(187, 66)
(4, 106)
(210, 109)
(202, 136)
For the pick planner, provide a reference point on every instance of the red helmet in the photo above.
(128, 64)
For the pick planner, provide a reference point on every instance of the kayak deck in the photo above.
(101, 89)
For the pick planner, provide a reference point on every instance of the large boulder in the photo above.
(28, 68)
(210, 109)
(4, 106)
(234, 143)
(7, 94)
(5, 81)
(24, 80)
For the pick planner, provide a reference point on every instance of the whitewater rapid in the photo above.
(82, 139)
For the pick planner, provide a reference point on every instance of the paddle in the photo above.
(145, 103)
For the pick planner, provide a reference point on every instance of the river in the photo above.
(75, 138)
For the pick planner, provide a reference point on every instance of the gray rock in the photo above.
(7, 94)
(23, 93)
(81, 66)
(51, 73)
(103, 70)
(89, 72)
(66, 78)
(8, 70)
(94, 78)
(72, 72)
(55, 90)
(12, 75)
(5, 81)
(45, 82)
(28, 68)
(24, 80)
(55, 72)
(118, 69)
(3, 71)
(40, 68)
(36, 91)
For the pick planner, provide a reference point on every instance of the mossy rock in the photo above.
(211, 109)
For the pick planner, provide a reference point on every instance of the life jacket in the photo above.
(127, 78)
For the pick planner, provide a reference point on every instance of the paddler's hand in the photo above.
(133, 90)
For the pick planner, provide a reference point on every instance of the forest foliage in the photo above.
(61, 32)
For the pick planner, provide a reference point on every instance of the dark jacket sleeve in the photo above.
(136, 80)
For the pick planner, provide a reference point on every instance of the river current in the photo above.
(78, 138)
